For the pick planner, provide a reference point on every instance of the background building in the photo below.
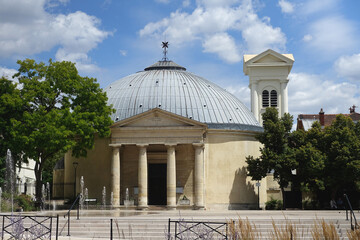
(305, 121)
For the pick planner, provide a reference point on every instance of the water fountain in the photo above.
(54, 205)
(111, 200)
(82, 198)
(43, 197)
(104, 198)
(127, 201)
(10, 177)
(86, 196)
(48, 193)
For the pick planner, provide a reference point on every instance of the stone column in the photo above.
(115, 175)
(255, 100)
(199, 175)
(284, 98)
(171, 177)
(142, 178)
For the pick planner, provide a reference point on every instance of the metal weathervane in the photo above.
(165, 46)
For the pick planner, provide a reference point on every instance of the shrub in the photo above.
(310, 205)
(25, 202)
(273, 204)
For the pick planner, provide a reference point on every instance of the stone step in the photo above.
(145, 229)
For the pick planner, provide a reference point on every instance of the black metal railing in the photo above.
(197, 229)
(352, 214)
(77, 200)
(28, 227)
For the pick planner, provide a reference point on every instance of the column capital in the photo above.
(198, 145)
(142, 145)
(169, 145)
(115, 145)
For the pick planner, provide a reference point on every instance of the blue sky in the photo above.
(111, 39)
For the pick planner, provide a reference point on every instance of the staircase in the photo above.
(153, 224)
(156, 227)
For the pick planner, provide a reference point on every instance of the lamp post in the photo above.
(258, 187)
(75, 164)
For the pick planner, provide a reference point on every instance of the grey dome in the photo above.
(169, 86)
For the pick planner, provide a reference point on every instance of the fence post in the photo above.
(169, 234)
(111, 229)
(68, 223)
(57, 226)
(78, 209)
(3, 228)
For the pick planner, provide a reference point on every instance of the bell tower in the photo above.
(268, 78)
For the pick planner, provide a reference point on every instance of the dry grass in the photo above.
(288, 232)
(324, 231)
(354, 235)
(243, 229)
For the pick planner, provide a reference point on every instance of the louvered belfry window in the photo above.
(265, 98)
(274, 98)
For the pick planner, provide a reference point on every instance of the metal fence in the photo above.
(28, 227)
(183, 229)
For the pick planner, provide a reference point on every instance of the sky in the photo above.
(110, 39)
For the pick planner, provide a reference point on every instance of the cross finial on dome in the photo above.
(165, 46)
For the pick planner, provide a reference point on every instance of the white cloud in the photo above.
(186, 3)
(7, 72)
(307, 38)
(224, 45)
(308, 93)
(242, 92)
(26, 28)
(349, 67)
(123, 52)
(317, 6)
(332, 35)
(286, 6)
(212, 19)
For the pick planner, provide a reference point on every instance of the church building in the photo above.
(179, 140)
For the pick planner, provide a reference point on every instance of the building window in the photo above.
(274, 98)
(265, 98)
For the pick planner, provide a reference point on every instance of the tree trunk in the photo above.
(283, 197)
(38, 184)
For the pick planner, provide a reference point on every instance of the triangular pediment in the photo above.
(157, 118)
(267, 59)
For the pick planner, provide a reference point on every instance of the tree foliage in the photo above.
(275, 154)
(327, 160)
(60, 111)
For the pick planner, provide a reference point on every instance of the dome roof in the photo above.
(169, 86)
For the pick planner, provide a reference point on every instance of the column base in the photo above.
(168, 207)
(199, 208)
(142, 207)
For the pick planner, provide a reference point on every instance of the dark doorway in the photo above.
(157, 184)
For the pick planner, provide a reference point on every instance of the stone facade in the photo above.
(164, 158)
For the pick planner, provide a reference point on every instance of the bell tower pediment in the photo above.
(268, 78)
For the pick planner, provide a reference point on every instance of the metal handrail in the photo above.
(68, 214)
(352, 214)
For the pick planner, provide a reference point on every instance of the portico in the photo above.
(159, 145)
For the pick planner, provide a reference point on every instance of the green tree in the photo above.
(342, 149)
(311, 161)
(275, 154)
(62, 111)
(11, 106)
